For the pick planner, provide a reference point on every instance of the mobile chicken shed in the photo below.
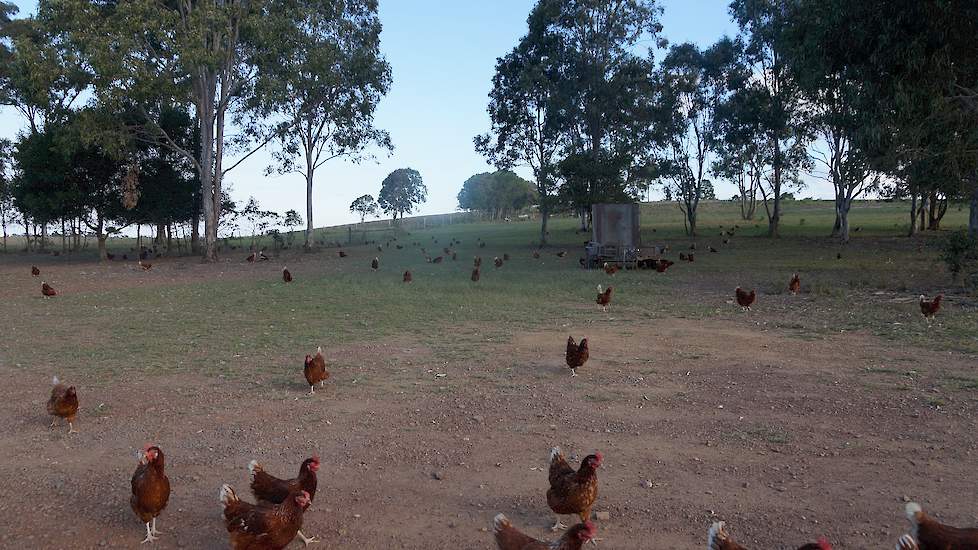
(615, 235)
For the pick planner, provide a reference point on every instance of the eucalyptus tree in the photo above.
(364, 205)
(603, 91)
(917, 72)
(43, 74)
(773, 94)
(815, 45)
(401, 191)
(210, 54)
(527, 126)
(324, 87)
(690, 86)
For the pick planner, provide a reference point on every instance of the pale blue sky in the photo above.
(442, 53)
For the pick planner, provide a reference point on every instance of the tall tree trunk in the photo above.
(44, 237)
(309, 224)
(842, 216)
(139, 241)
(922, 212)
(160, 234)
(101, 236)
(545, 217)
(64, 236)
(195, 226)
(209, 162)
(169, 236)
(913, 215)
(837, 226)
(973, 214)
(774, 217)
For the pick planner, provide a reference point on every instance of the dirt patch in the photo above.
(786, 439)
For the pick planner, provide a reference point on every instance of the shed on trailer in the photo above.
(615, 235)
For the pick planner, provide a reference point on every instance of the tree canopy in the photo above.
(401, 191)
(496, 194)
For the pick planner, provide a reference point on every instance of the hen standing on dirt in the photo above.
(929, 308)
(745, 299)
(604, 298)
(576, 355)
(572, 492)
(315, 370)
(270, 489)
(150, 490)
(286, 275)
(47, 290)
(35, 271)
(718, 539)
(509, 538)
(262, 526)
(928, 534)
(63, 404)
(794, 285)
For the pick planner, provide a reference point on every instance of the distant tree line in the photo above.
(496, 195)
(873, 97)
(135, 112)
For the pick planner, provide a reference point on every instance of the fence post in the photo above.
(349, 235)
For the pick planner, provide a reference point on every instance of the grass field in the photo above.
(825, 394)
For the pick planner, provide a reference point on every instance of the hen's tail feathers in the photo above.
(715, 536)
(554, 453)
(906, 542)
(500, 522)
(227, 495)
(319, 350)
(253, 467)
(55, 381)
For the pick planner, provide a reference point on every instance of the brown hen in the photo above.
(576, 354)
(718, 539)
(272, 490)
(150, 490)
(315, 370)
(572, 492)
(510, 538)
(63, 404)
(262, 526)
(926, 533)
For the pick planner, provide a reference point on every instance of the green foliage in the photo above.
(708, 192)
(324, 82)
(401, 191)
(365, 205)
(527, 121)
(42, 69)
(690, 86)
(960, 254)
(572, 91)
(769, 107)
(291, 222)
(259, 220)
(496, 194)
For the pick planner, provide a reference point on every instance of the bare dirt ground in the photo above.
(785, 438)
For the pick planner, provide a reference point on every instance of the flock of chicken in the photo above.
(276, 519)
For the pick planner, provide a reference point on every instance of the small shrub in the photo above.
(960, 255)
